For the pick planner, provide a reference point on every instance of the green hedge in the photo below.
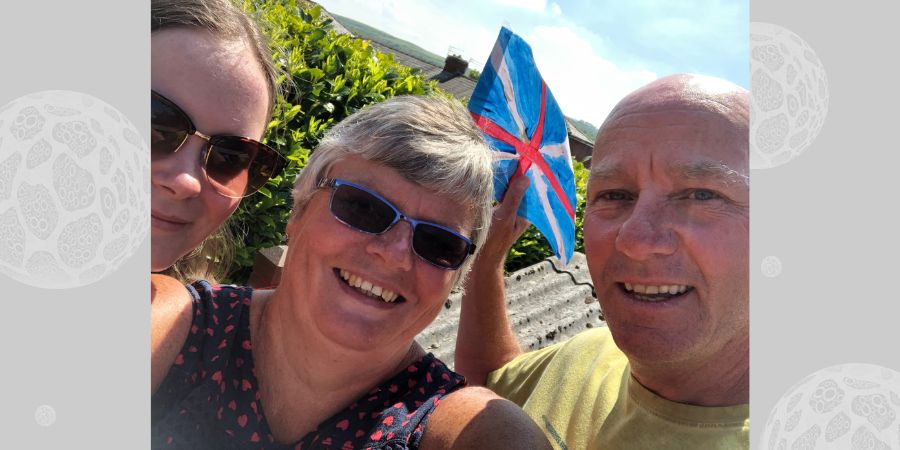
(331, 76)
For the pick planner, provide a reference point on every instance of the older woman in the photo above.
(213, 87)
(387, 215)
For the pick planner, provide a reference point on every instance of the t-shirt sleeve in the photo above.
(192, 363)
(518, 378)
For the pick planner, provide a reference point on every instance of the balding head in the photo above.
(689, 91)
(666, 229)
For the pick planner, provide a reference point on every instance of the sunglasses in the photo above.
(235, 166)
(366, 211)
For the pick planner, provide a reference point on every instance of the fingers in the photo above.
(506, 226)
(521, 225)
(515, 192)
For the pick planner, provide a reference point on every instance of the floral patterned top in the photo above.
(210, 397)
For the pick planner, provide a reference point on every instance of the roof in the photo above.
(460, 86)
(546, 303)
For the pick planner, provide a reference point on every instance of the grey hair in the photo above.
(430, 140)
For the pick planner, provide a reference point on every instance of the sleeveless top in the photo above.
(210, 398)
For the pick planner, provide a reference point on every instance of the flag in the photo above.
(520, 119)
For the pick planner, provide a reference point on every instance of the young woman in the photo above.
(213, 88)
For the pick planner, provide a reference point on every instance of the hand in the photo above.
(506, 226)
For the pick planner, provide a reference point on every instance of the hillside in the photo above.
(364, 31)
(585, 127)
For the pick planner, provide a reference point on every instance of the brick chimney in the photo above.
(455, 65)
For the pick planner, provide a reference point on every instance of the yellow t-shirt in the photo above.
(582, 394)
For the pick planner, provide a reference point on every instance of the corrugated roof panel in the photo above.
(546, 304)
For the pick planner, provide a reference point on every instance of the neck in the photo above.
(303, 375)
(719, 380)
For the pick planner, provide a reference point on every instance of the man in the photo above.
(666, 229)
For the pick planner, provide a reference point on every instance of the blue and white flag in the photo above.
(522, 122)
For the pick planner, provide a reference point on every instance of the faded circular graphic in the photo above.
(74, 189)
(851, 406)
(788, 95)
(45, 415)
(771, 266)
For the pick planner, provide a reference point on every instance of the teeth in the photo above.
(670, 289)
(366, 287)
(388, 296)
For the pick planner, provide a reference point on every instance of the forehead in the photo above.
(217, 81)
(687, 140)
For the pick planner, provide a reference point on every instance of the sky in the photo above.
(590, 52)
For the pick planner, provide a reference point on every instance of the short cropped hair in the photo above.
(430, 140)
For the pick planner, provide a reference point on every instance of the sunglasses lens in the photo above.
(440, 246)
(267, 164)
(236, 166)
(233, 168)
(361, 210)
(170, 127)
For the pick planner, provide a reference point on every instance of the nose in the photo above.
(647, 232)
(394, 246)
(181, 174)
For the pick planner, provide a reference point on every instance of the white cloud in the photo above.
(538, 6)
(586, 85)
(555, 9)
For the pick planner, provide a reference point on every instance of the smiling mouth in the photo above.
(168, 219)
(655, 293)
(368, 288)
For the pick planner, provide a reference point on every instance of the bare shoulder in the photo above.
(477, 418)
(170, 321)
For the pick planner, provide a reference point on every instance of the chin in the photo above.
(160, 261)
(363, 337)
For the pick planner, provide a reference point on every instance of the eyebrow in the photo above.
(699, 170)
(604, 171)
(712, 170)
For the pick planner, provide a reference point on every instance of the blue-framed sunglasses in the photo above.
(363, 210)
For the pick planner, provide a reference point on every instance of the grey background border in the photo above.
(82, 351)
(830, 215)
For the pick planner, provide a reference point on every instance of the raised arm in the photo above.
(476, 418)
(485, 341)
(170, 321)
